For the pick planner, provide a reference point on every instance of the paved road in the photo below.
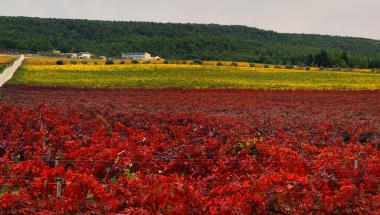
(8, 72)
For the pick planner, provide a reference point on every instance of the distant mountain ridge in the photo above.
(187, 41)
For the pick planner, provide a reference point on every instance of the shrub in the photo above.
(277, 67)
(266, 66)
(134, 62)
(122, 62)
(200, 62)
(96, 63)
(184, 62)
(147, 62)
(252, 65)
(321, 68)
(289, 67)
(234, 64)
(110, 62)
(166, 62)
(84, 62)
(307, 68)
(59, 62)
(73, 62)
(219, 63)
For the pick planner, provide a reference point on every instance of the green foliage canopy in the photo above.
(187, 42)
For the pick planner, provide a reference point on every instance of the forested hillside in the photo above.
(187, 41)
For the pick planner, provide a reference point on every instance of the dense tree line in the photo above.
(187, 41)
(324, 59)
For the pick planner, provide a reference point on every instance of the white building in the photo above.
(137, 56)
(156, 58)
(74, 55)
(84, 55)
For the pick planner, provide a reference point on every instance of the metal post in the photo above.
(58, 179)
(57, 161)
(42, 126)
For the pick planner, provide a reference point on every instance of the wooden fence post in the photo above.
(59, 187)
(356, 163)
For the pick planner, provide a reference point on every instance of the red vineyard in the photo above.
(188, 151)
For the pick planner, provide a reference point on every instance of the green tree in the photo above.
(322, 59)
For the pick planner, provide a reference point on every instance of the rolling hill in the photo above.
(187, 41)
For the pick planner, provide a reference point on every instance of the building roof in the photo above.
(134, 53)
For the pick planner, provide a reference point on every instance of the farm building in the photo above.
(73, 55)
(81, 55)
(84, 55)
(136, 56)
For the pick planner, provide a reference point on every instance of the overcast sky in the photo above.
(359, 18)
